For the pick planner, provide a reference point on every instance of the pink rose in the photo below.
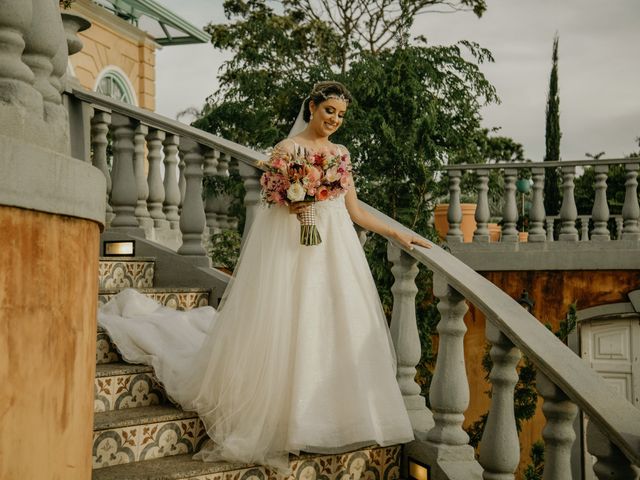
(322, 193)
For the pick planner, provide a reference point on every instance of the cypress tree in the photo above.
(552, 137)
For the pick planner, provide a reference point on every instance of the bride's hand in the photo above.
(407, 240)
(298, 207)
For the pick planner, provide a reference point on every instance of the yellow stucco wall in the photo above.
(114, 43)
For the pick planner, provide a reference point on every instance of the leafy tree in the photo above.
(552, 138)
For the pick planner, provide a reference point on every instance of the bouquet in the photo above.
(305, 177)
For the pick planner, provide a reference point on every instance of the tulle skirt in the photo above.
(298, 356)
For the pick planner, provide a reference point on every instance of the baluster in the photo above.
(612, 463)
(124, 195)
(224, 221)
(499, 447)
(232, 220)
(182, 181)
(482, 210)
(99, 129)
(630, 208)
(584, 229)
(568, 210)
(619, 227)
(600, 211)
(449, 392)
(404, 333)
(142, 213)
(537, 213)
(558, 432)
(16, 78)
(171, 189)
(212, 205)
(192, 219)
(154, 178)
(251, 179)
(40, 49)
(454, 213)
(550, 221)
(510, 208)
(56, 113)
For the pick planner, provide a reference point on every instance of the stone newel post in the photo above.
(52, 208)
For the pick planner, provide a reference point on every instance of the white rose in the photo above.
(296, 192)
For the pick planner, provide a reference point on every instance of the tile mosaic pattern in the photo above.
(123, 273)
(180, 299)
(375, 463)
(127, 390)
(106, 351)
(116, 446)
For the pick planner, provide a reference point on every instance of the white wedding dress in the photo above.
(298, 357)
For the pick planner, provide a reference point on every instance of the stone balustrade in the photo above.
(567, 382)
(539, 229)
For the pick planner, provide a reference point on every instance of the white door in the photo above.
(612, 347)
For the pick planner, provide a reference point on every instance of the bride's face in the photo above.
(327, 116)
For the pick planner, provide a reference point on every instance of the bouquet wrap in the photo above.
(309, 234)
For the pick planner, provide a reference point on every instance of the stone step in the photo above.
(179, 298)
(123, 272)
(144, 433)
(380, 463)
(121, 385)
(106, 351)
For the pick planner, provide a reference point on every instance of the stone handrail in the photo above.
(565, 381)
(540, 230)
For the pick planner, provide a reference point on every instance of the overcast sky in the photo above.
(599, 68)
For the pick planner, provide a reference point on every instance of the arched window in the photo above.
(115, 84)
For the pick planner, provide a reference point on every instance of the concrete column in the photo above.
(154, 178)
(550, 228)
(251, 179)
(482, 210)
(141, 211)
(630, 209)
(449, 393)
(600, 211)
(558, 433)
(224, 221)
(611, 464)
(124, 194)
(16, 78)
(192, 219)
(211, 207)
(499, 448)
(510, 207)
(404, 332)
(568, 210)
(182, 181)
(537, 213)
(454, 214)
(171, 189)
(99, 129)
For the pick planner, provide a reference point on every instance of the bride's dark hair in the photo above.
(321, 92)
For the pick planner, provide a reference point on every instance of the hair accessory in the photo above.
(332, 95)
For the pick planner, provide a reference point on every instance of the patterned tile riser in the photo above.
(145, 442)
(127, 391)
(122, 274)
(106, 351)
(369, 464)
(179, 301)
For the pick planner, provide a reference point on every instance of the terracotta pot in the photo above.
(494, 232)
(468, 224)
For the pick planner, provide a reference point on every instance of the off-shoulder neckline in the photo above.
(340, 148)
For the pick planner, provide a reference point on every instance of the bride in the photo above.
(298, 356)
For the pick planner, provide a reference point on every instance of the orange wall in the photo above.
(48, 301)
(553, 292)
(110, 41)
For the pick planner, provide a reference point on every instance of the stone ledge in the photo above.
(35, 178)
(612, 255)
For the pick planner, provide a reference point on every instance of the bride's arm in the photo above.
(371, 223)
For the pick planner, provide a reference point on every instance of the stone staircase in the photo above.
(139, 434)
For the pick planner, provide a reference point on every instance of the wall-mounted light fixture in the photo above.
(118, 249)
(418, 470)
(526, 301)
